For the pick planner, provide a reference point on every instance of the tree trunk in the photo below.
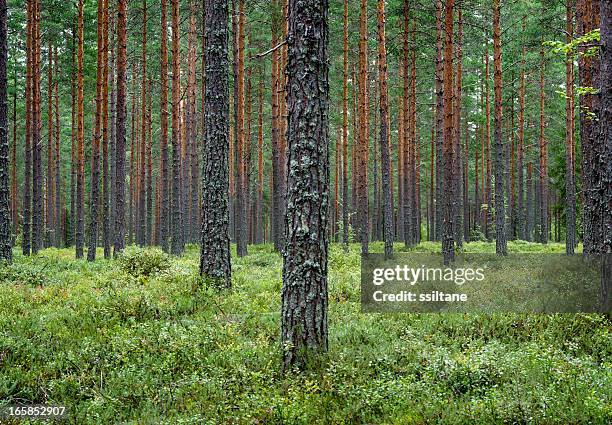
(439, 86)
(500, 216)
(304, 292)
(458, 167)
(27, 184)
(106, 179)
(259, 207)
(80, 189)
(543, 161)
(37, 178)
(241, 204)
(345, 197)
(362, 185)
(49, 186)
(164, 220)
(215, 254)
(385, 159)
(488, 198)
(120, 132)
(570, 188)
(57, 163)
(605, 151)
(521, 218)
(178, 243)
(6, 253)
(95, 145)
(142, 222)
(448, 248)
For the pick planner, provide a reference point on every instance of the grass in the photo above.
(116, 344)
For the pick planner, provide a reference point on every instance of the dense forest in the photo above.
(320, 130)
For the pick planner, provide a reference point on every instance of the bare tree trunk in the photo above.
(304, 292)
(521, 218)
(439, 86)
(448, 246)
(215, 254)
(6, 254)
(345, 197)
(570, 188)
(362, 185)
(37, 178)
(385, 159)
(120, 132)
(80, 189)
(543, 161)
(163, 143)
(500, 216)
(178, 244)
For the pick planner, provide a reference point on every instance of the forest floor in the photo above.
(139, 340)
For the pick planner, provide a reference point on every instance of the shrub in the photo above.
(143, 262)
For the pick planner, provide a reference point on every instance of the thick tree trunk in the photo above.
(570, 188)
(37, 178)
(362, 185)
(215, 254)
(448, 245)
(385, 160)
(106, 179)
(439, 86)
(95, 145)
(164, 220)
(543, 206)
(605, 151)
(80, 189)
(49, 186)
(178, 244)
(27, 183)
(521, 218)
(304, 292)
(120, 132)
(345, 197)
(5, 209)
(241, 204)
(500, 216)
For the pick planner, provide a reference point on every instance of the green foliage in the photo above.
(143, 262)
(112, 350)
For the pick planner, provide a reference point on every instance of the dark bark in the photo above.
(215, 254)
(304, 292)
(362, 163)
(529, 204)
(543, 192)
(458, 167)
(5, 209)
(259, 202)
(439, 87)
(448, 243)
(604, 192)
(106, 178)
(164, 220)
(49, 186)
(521, 218)
(37, 178)
(500, 216)
(241, 198)
(178, 244)
(120, 132)
(345, 196)
(570, 188)
(80, 184)
(95, 145)
(27, 182)
(385, 160)
(57, 164)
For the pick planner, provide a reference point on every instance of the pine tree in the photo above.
(304, 291)
(448, 246)
(500, 217)
(5, 210)
(215, 254)
(121, 127)
(362, 184)
(80, 139)
(570, 189)
(178, 243)
(385, 159)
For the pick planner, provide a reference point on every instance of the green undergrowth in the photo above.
(140, 340)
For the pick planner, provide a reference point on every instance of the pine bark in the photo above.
(95, 145)
(80, 184)
(304, 291)
(385, 160)
(345, 195)
(49, 186)
(439, 87)
(121, 127)
(570, 188)
(106, 179)
(6, 254)
(142, 194)
(448, 245)
(543, 206)
(241, 204)
(362, 185)
(259, 200)
(458, 167)
(500, 216)
(163, 139)
(27, 173)
(521, 218)
(215, 254)
(37, 178)
(178, 244)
